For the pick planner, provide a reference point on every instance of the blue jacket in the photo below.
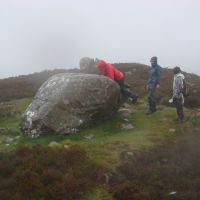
(154, 75)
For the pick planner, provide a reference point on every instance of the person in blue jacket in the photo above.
(153, 84)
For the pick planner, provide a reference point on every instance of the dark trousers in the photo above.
(126, 91)
(151, 97)
(179, 108)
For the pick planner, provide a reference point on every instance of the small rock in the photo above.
(17, 137)
(172, 193)
(129, 153)
(7, 144)
(126, 120)
(89, 137)
(53, 144)
(127, 126)
(128, 73)
(126, 105)
(134, 69)
(66, 146)
(125, 112)
(107, 178)
(2, 130)
(9, 140)
(172, 130)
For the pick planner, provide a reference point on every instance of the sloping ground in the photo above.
(170, 170)
(147, 160)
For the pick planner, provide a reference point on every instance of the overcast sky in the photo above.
(45, 34)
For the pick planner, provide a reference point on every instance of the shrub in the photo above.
(154, 174)
(46, 173)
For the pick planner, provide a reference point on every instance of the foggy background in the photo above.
(45, 34)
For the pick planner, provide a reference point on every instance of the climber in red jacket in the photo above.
(111, 72)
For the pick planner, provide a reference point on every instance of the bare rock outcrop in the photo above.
(68, 102)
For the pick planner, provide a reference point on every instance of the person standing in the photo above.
(178, 97)
(116, 75)
(153, 84)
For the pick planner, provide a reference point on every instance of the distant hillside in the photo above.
(135, 74)
(25, 85)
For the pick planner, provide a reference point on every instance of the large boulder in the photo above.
(67, 102)
(88, 65)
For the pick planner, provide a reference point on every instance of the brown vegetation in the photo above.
(168, 171)
(47, 173)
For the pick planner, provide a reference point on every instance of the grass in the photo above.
(99, 193)
(18, 107)
(167, 171)
(108, 139)
(108, 144)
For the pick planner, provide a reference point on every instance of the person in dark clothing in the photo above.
(153, 84)
(111, 72)
(178, 98)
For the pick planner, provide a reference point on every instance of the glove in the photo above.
(171, 100)
(158, 86)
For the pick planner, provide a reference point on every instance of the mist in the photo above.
(39, 35)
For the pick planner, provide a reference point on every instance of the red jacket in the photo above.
(109, 71)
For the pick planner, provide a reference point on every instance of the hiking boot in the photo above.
(149, 112)
(178, 120)
(134, 100)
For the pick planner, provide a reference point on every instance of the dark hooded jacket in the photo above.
(154, 74)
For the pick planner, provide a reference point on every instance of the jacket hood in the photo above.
(180, 75)
(101, 65)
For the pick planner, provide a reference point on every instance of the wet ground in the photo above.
(168, 171)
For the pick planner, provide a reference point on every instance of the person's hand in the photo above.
(158, 86)
(171, 100)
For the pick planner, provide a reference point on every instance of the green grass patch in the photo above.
(104, 142)
(15, 108)
(99, 193)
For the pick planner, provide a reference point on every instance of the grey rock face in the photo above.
(68, 102)
(86, 63)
